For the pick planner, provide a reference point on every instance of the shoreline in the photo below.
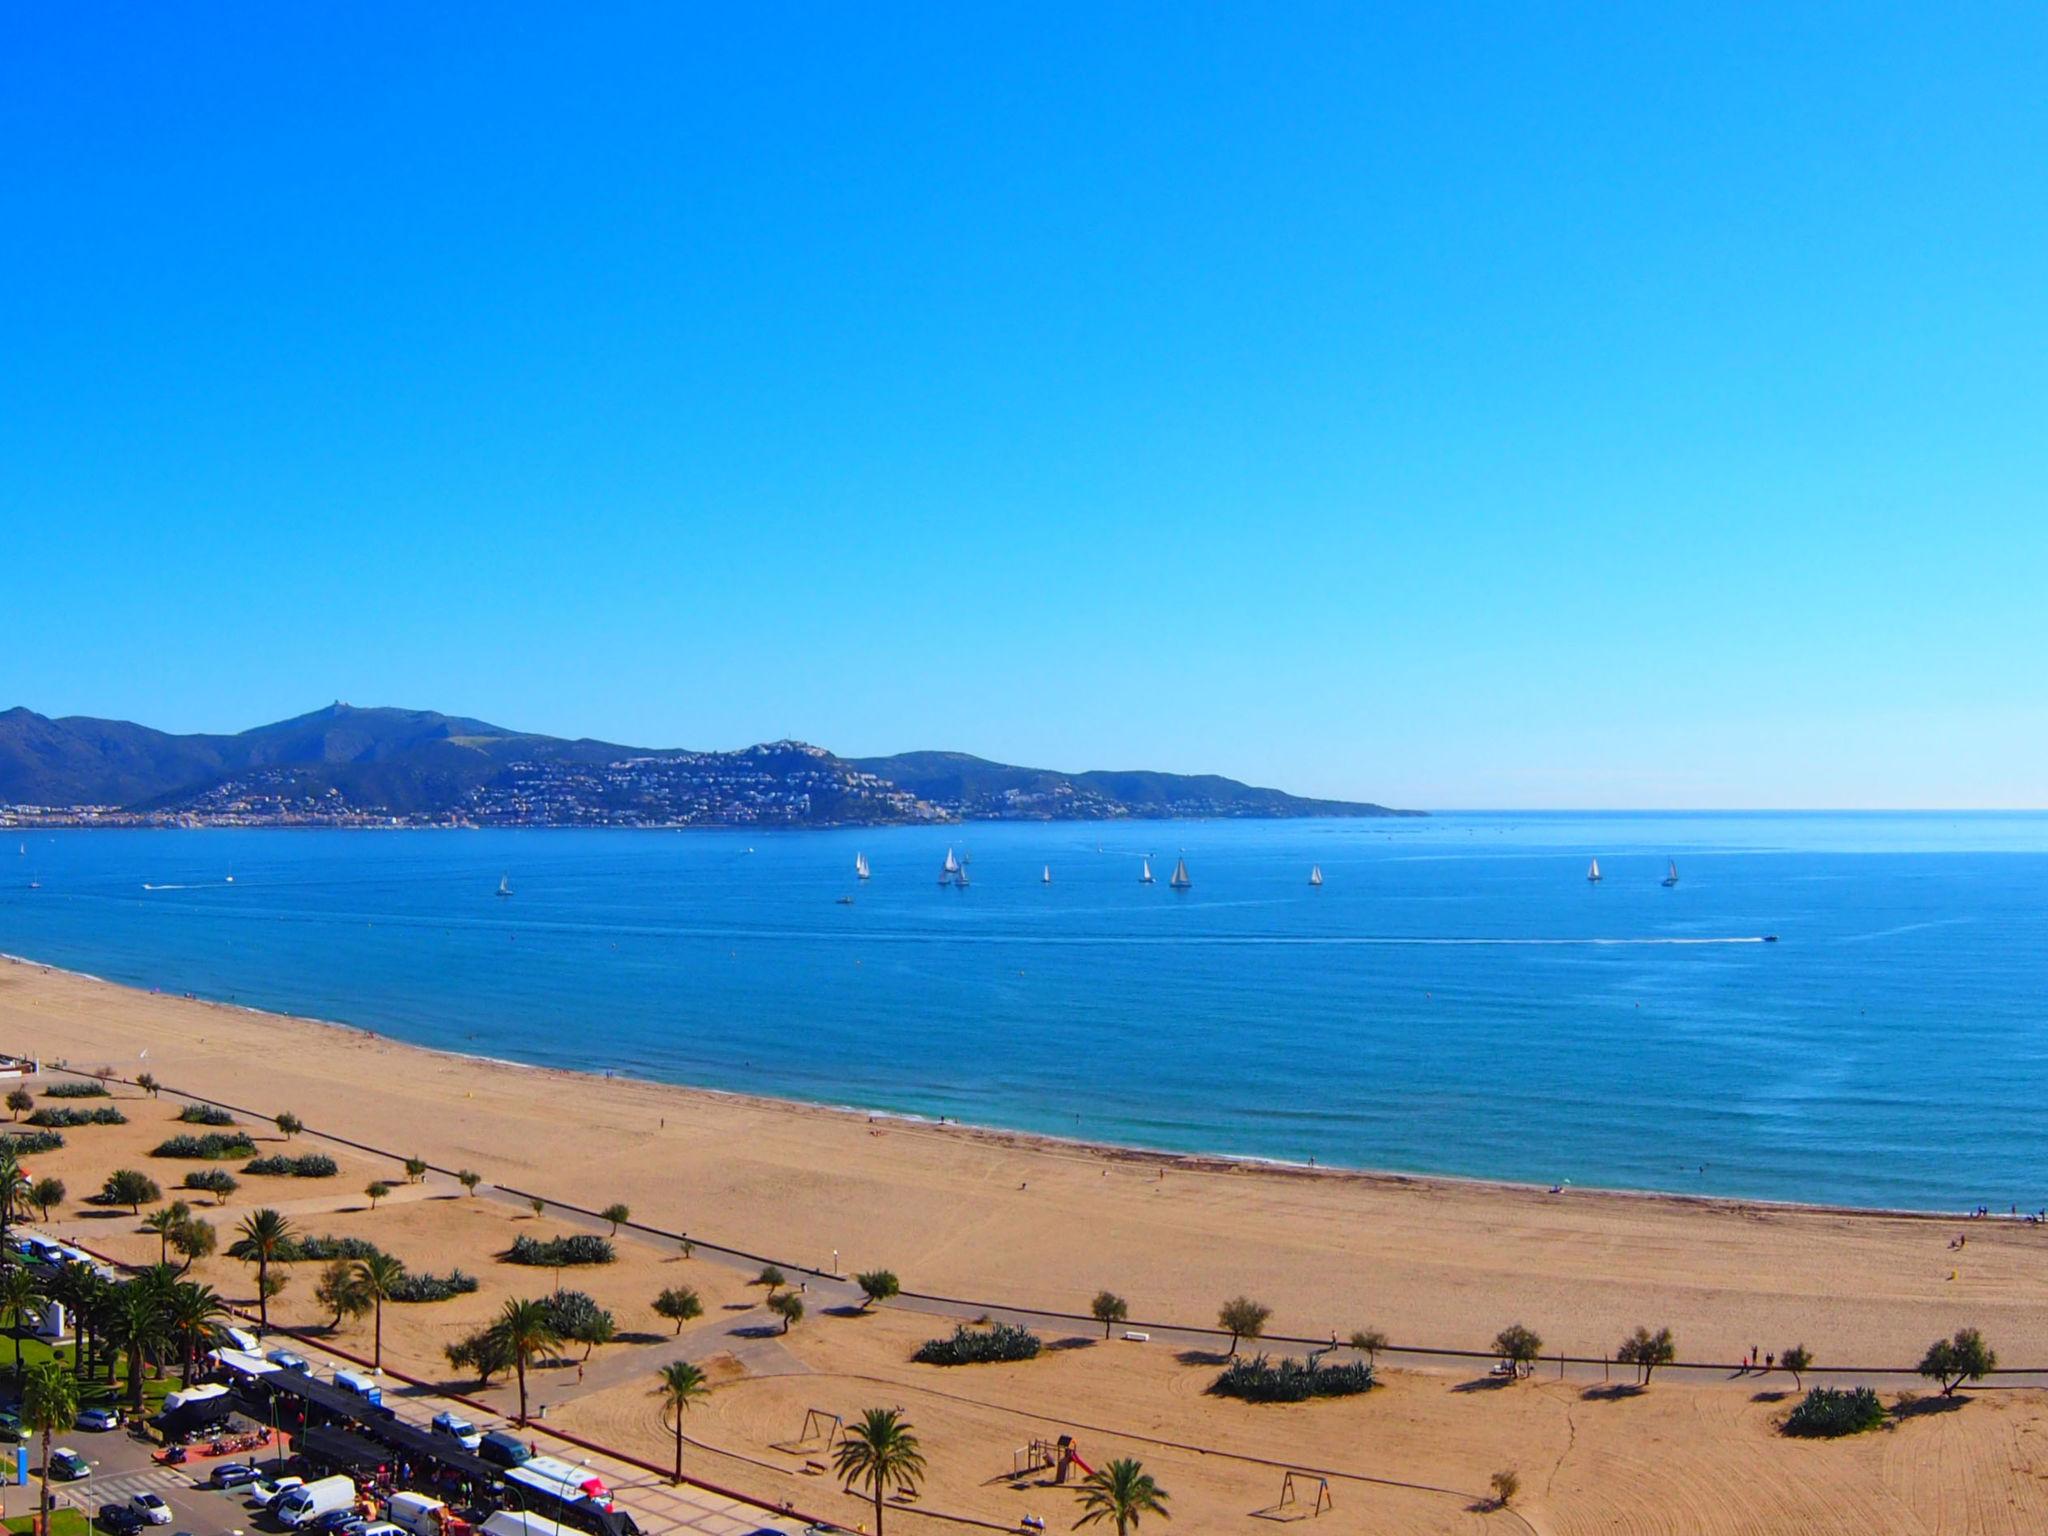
(1044, 1142)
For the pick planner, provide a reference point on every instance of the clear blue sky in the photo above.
(1485, 405)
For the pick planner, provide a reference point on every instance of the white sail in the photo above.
(1046, 878)
(1145, 872)
(504, 885)
(1671, 876)
(1593, 873)
(860, 865)
(1315, 874)
(952, 865)
(1180, 880)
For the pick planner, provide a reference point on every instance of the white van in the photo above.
(363, 1386)
(240, 1338)
(309, 1501)
(514, 1522)
(416, 1513)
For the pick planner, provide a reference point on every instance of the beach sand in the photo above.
(1013, 1220)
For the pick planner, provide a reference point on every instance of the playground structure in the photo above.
(821, 1431)
(1290, 1505)
(1057, 1456)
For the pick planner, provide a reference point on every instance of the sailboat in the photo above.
(504, 885)
(1145, 872)
(231, 877)
(1315, 874)
(1671, 875)
(1046, 878)
(1593, 874)
(35, 883)
(860, 865)
(1180, 880)
(950, 870)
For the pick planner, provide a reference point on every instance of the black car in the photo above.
(121, 1519)
(502, 1449)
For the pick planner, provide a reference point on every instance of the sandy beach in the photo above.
(1013, 1221)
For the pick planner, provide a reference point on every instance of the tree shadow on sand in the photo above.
(1613, 1392)
(1201, 1357)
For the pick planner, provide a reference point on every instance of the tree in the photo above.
(1966, 1357)
(194, 1239)
(484, 1352)
(147, 1082)
(376, 1191)
(46, 1193)
(1506, 1484)
(49, 1406)
(880, 1450)
(17, 1295)
(877, 1285)
(686, 1248)
(266, 1238)
(527, 1332)
(678, 1304)
(1109, 1309)
(469, 1178)
(1120, 1493)
(1797, 1359)
(290, 1124)
(538, 1206)
(681, 1385)
(163, 1223)
(615, 1213)
(11, 1188)
(379, 1277)
(342, 1290)
(1519, 1346)
(134, 1323)
(193, 1315)
(127, 1186)
(19, 1103)
(1646, 1351)
(1242, 1318)
(771, 1277)
(1369, 1342)
(415, 1169)
(788, 1306)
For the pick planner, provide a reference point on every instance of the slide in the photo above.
(1075, 1458)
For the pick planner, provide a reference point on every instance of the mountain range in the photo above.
(348, 766)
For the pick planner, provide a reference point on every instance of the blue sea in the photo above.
(1455, 998)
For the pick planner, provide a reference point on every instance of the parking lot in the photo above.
(121, 1468)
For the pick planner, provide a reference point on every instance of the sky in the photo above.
(1501, 405)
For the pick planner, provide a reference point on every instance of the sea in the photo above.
(1455, 998)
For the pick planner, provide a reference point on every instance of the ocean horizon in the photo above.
(1456, 998)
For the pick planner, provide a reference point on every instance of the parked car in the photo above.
(121, 1519)
(154, 1510)
(10, 1424)
(285, 1360)
(67, 1466)
(266, 1491)
(99, 1418)
(501, 1449)
(338, 1520)
(458, 1429)
(235, 1474)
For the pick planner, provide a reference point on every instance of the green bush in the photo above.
(1259, 1380)
(1828, 1412)
(584, 1248)
(28, 1143)
(576, 1316)
(213, 1146)
(205, 1114)
(322, 1248)
(980, 1346)
(215, 1181)
(314, 1165)
(427, 1287)
(77, 1091)
(65, 1119)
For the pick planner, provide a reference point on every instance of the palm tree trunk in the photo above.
(679, 1445)
(43, 1505)
(521, 1363)
(878, 1507)
(263, 1292)
(377, 1357)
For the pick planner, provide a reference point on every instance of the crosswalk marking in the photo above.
(91, 1492)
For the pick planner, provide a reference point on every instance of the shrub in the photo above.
(318, 1248)
(1966, 1357)
(314, 1165)
(878, 1285)
(76, 1091)
(772, 1277)
(19, 1102)
(205, 1114)
(217, 1182)
(126, 1186)
(45, 1194)
(1369, 1342)
(28, 1143)
(426, 1287)
(994, 1344)
(415, 1169)
(486, 1352)
(576, 1316)
(290, 1124)
(678, 1304)
(65, 1119)
(1506, 1484)
(583, 1248)
(1260, 1380)
(213, 1146)
(1827, 1412)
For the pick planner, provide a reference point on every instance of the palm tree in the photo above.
(17, 1295)
(379, 1276)
(681, 1385)
(135, 1324)
(1121, 1491)
(49, 1403)
(164, 1223)
(527, 1331)
(193, 1317)
(879, 1450)
(266, 1236)
(11, 1182)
